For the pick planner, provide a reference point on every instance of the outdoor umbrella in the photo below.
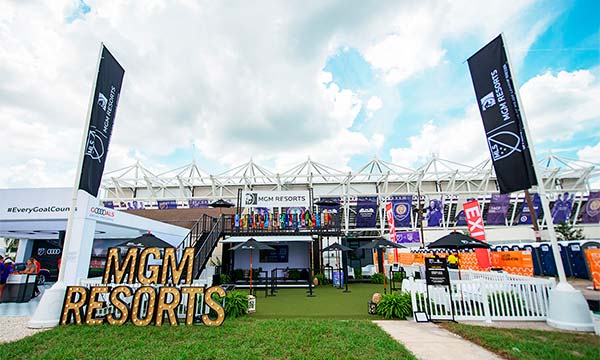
(251, 244)
(146, 241)
(456, 240)
(338, 247)
(381, 244)
(327, 202)
(221, 204)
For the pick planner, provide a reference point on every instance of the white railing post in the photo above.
(485, 301)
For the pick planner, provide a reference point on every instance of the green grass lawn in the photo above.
(531, 344)
(244, 338)
(328, 303)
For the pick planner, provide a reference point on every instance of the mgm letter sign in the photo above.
(144, 287)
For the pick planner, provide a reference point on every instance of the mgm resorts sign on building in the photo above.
(271, 199)
(146, 286)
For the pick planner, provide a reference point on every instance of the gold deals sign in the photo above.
(144, 287)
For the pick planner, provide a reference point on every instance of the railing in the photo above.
(201, 227)
(204, 251)
(256, 226)
(485, 275)
(482, 299)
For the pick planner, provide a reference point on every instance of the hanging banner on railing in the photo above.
(197, 203)
(513, 262)
(408, 237)
(402, 210)
(434, 212)
(498, 209)
(593, 259)
(561, 211)
(167, 204)
(525, 217)
(366, 212)
(474, 220)
(591, 214)
(460, 218)
(389, 213)
(271, 199)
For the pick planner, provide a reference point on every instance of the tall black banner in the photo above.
(497, 101)
(104, 110)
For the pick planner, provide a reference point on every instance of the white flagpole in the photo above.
(84, 138)
(567, 307)
(48, 311)
(538, 174)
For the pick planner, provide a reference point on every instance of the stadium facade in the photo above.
(447, 183)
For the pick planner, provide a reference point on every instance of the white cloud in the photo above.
(559, 106)
(238, 80)
(590, 153)
(461, 140)
(414, 39)
(375, 103)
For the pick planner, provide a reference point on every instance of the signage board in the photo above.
(38, 204)
(270, 199)
(436, 271)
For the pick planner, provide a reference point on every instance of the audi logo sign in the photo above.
(102, 212)
(44, 251)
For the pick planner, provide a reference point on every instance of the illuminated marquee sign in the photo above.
(144, 287)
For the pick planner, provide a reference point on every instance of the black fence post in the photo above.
(310, 286)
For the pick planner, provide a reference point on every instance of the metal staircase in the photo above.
(203, 237)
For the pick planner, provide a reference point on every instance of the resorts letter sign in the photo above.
(271, 199)
(159, 287)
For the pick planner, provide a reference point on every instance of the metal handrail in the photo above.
(208, 245)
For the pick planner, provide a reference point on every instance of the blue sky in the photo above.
(338, 81)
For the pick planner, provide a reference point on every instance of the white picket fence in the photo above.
(181, 310)
(481, 298)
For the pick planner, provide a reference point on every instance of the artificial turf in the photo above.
(328, 303)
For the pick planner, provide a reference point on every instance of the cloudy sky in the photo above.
(339, 81)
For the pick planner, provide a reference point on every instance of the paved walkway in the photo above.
(428, 341)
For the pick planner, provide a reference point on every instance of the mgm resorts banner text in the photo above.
(271, 199)
(146, 286)
(497, 102)
(102, 117)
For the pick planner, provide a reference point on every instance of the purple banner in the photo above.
(460, 217)
(408, 237)
(561, 212)
(435, 212)
(334, 211)
(525, 217)
(402, 207)
(167, 204)
(366, 212)
(498, 209)
(135, 205)
(197, 203)
(591, 214)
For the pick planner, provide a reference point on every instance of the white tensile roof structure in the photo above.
(375, 178)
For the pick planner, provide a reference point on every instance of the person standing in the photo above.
(2, 277)
(453, 261)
